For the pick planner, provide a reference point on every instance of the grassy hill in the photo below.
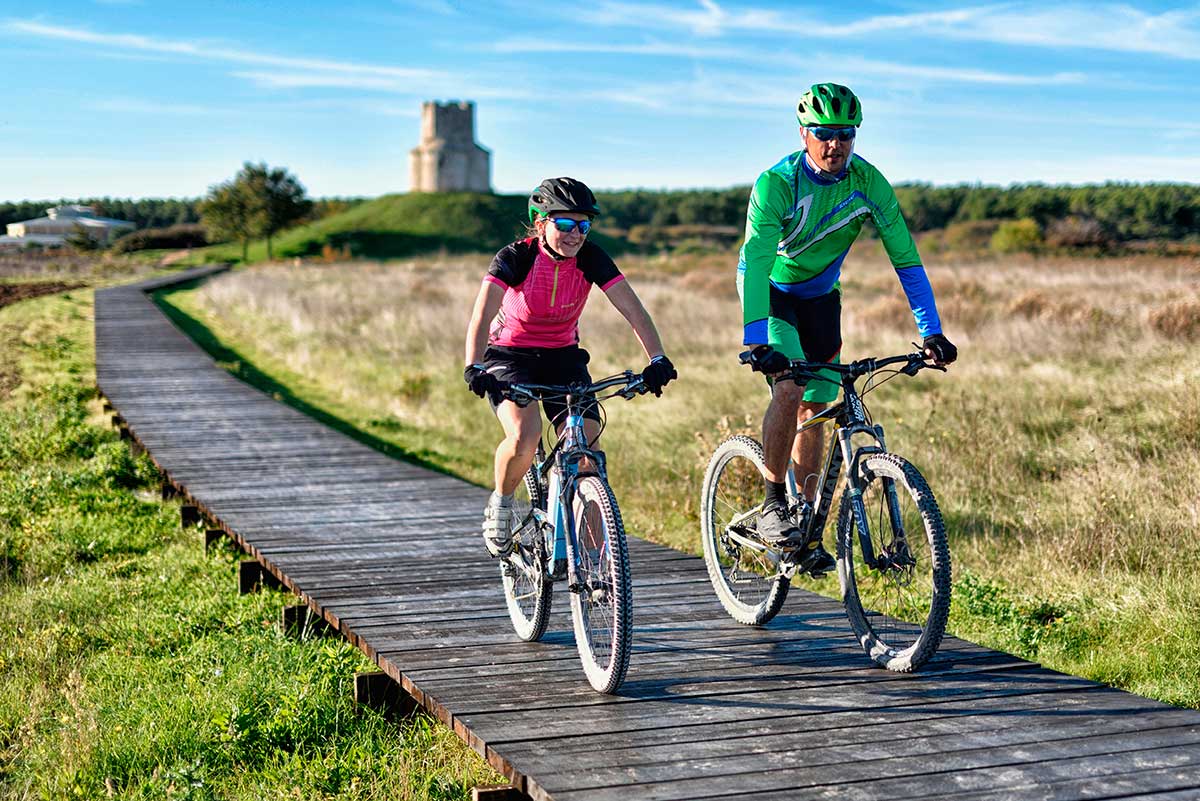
(397, 226)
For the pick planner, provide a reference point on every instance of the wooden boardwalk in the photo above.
(390, 554)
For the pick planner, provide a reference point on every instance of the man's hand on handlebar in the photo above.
(940, 349)
(765, 359)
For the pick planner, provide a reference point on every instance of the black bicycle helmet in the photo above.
(562, 194)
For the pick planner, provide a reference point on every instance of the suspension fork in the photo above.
(855, 483)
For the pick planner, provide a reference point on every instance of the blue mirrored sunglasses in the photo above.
(829, 134)
(567, 226)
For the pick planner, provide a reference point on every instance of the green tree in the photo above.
(281, 196)
(259, 201)
(230, 213)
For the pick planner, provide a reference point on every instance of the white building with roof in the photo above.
(62, 221)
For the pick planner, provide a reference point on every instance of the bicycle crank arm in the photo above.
(749, 542)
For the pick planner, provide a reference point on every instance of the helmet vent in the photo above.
(853, 106)
(816, 104)
(823, 90)
(837, 106)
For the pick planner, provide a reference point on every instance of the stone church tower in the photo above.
(448, 158)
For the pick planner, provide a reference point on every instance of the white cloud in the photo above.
(125, 105)
(1111, 26)
(707, 18)
(210, 52)
(775, 61)
(454, 88)
(651, 48)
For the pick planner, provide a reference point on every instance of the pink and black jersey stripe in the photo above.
(543, 297)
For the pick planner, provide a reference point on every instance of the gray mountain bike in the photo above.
(567, 527)
(893, 562)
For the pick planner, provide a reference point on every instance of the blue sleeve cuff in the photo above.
(920, 299)
(755, 333)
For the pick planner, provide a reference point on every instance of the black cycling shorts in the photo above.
(811, 329)
(543, 366)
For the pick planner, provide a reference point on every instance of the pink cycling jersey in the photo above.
(544, 297)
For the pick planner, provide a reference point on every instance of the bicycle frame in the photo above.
(562, 470)
(561, 541)
(850, 417)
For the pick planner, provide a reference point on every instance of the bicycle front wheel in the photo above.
(528, 591)
(748, 580)
(899, 604)
(602, 599)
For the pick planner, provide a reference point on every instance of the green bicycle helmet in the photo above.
(829, 104)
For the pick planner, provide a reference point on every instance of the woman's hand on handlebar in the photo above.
(657, 374)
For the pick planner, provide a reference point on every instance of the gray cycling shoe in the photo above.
(497, 529)
(776, 527)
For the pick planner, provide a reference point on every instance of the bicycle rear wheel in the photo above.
(748, 582)
(602, 601)
(897, 608)
(528, 591)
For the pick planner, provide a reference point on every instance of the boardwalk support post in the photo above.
(168, 491)
(252, 577)
(189, 515)
(379, 691)
(498, 792)
(211, 537)
(299, 622)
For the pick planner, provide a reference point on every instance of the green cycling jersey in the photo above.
(800, 226)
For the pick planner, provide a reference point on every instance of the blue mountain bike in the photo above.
(567, 527)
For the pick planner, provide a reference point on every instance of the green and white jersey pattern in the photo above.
(800, 226)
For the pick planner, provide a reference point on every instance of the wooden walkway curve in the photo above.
(389, 554)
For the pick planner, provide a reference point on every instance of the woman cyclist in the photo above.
(525, 329)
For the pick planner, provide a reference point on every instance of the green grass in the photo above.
(1064, 448)
(399, 226)
(129, 665)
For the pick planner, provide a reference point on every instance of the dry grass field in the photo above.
(1064, 447)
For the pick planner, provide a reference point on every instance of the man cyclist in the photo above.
(803, 216)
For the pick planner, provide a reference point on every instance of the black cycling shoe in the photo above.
(817, 561)
(776, 527)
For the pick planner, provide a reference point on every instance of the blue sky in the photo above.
(150, 99)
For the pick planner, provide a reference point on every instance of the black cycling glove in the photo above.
(480, 381)
(765, 359)
(657, 374)
(941, 349)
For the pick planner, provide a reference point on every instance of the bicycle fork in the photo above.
(895, 553)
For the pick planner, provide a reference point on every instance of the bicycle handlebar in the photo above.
(798, 368)
(631, 384)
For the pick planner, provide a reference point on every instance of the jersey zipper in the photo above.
(554, 290)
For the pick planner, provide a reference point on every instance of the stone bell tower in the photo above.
(448, 158)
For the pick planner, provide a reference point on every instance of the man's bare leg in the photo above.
(775, 524)
(807, 450)
(779, 428)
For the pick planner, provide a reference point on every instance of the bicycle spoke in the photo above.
(747, 580)
(898, 605)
